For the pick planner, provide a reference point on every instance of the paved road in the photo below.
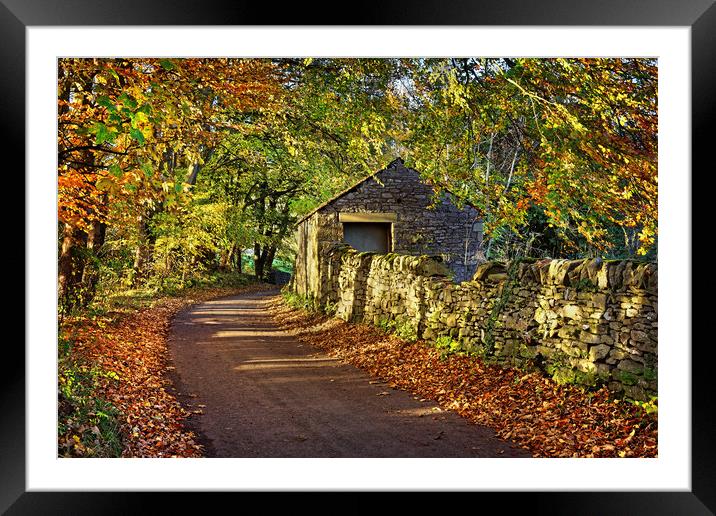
(265, 394)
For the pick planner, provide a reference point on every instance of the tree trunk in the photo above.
(263, 258)
(228, 258)
(232, 257)
(258, 261)
(268, 263)
(143, 253)
(195, 168)
(193, 173)
(70, 266)
(90, 273)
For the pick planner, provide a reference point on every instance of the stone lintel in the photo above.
(367, 217)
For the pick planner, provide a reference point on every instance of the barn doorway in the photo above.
(368, 236)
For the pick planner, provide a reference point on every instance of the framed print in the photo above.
(679, 35)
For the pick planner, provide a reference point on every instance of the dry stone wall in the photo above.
(421, 228)
(585, 321)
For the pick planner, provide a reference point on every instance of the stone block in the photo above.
(630, 366)
(567, 332)
(447, 295)
(615, 386)
(575, 349)
(589, 338)
(603, 277)
(485, 269)
(571, 312)
(585, 365)
(496, 277)
(650, 346)
(568, 294)
(598, 301)
(598, 352)
(635, 391)
(639, 336)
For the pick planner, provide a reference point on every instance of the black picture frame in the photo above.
(699, 15)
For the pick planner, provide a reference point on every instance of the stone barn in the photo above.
(390, 211)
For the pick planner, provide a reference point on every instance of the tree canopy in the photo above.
(573, 140)
(167, 167)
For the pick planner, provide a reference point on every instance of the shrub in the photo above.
(448, 346)
(88, 426)
(403, 328)
(300, 302)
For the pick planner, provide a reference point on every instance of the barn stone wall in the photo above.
(585, 321)
(422, 226)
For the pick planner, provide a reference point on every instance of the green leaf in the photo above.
(116, 76)
(178, 187)
(102, 133)
(147, 168)
(137, 135)
(106, 102)
(115, 170)
(167, 64)
(127, 101)
(145, 108)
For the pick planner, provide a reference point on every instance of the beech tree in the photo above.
(131, 132)
(570, 140)
(331, 130)
(173, 165)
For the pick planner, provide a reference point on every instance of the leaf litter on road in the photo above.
(131, 348)
(549, 419)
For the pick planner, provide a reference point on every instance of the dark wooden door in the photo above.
(367, 236)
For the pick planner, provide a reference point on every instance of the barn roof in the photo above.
(393, 164)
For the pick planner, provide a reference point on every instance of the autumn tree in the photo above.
(171, 166)
(132, 135)
(254, 181)
(333, 128)
(571, 142)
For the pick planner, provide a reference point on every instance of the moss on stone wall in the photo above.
(586, 321)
